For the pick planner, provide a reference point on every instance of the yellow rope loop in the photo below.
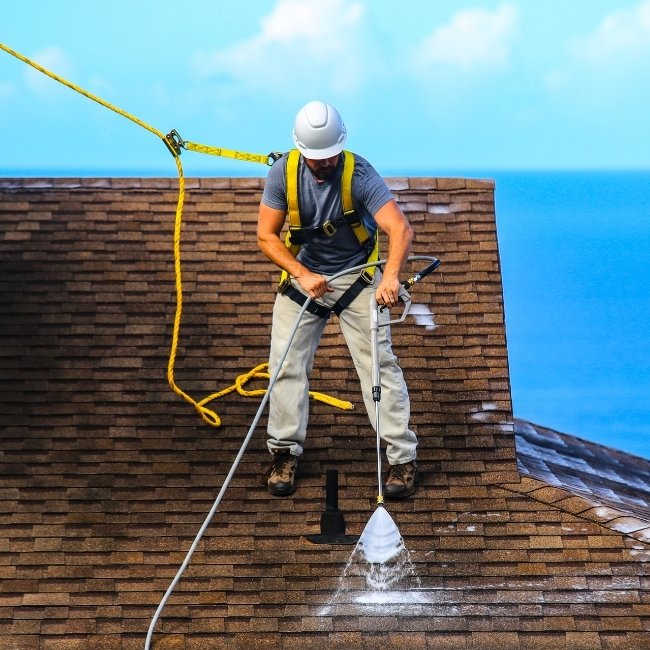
(173, 143)
(209, 417)
(261, 372)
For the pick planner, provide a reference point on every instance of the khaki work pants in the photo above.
(289, 400)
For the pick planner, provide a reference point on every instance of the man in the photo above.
(310, 184)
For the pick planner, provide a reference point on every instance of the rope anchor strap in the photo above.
(263, 159)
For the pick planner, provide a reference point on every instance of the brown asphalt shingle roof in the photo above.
(106, 475)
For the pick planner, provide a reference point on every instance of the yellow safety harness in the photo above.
(175, 143)
(297, 235)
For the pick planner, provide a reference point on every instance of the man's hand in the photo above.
(393, 222)
(388, 292)
(313, 284)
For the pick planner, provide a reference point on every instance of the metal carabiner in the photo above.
(273, 157)
(174, 142)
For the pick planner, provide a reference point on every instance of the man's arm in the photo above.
(392, 221)
(269, 227)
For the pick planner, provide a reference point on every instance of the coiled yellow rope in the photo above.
(207, 415)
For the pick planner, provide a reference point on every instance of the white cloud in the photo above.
(606, 67)
(474, 39)
(623, 34)
(53, 59)
(300, 43)
(319, 21)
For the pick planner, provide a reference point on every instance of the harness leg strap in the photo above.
(351, 293)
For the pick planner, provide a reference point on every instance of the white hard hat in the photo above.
(319, 131)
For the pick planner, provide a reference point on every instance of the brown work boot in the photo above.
(280, 477)
(401, 481)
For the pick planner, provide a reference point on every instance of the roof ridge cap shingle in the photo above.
(594, 511)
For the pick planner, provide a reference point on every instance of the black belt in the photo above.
(313, 307)
(344, 301)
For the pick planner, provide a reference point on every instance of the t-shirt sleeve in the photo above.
(274, 194)
(370, 189)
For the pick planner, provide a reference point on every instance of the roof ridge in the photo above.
(622, 452)
(583, 507)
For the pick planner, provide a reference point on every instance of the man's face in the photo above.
(323, 169)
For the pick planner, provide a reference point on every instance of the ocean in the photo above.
(575, 250)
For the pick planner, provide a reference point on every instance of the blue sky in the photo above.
(422, 85)
(446, 87)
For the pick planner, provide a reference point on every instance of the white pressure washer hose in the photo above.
(416, 278)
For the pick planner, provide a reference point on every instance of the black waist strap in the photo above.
(313, 307)
(344, 301)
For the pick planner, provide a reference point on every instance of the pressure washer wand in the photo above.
(375, 310)
(376, 383)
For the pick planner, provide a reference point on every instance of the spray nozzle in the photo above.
(380, 540)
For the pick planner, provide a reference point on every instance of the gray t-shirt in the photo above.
(321, 202)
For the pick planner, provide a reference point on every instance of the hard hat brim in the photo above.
(320, 154)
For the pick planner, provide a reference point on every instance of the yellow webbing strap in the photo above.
(293, 208)
(207, 415)
(358, 227)
(293, 159)
(374, 257)
(346, 185)
(227, 153)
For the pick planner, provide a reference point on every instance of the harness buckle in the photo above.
(329, 228)
(296, 236)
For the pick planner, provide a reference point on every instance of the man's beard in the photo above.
(323, 170)
(324, 173)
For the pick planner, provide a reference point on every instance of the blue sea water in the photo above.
(575, 256)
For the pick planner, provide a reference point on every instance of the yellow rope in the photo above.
(83, 92)
(207, 415)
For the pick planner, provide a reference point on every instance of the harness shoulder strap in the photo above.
(293, 209)
(357, 225)
(346, 183)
